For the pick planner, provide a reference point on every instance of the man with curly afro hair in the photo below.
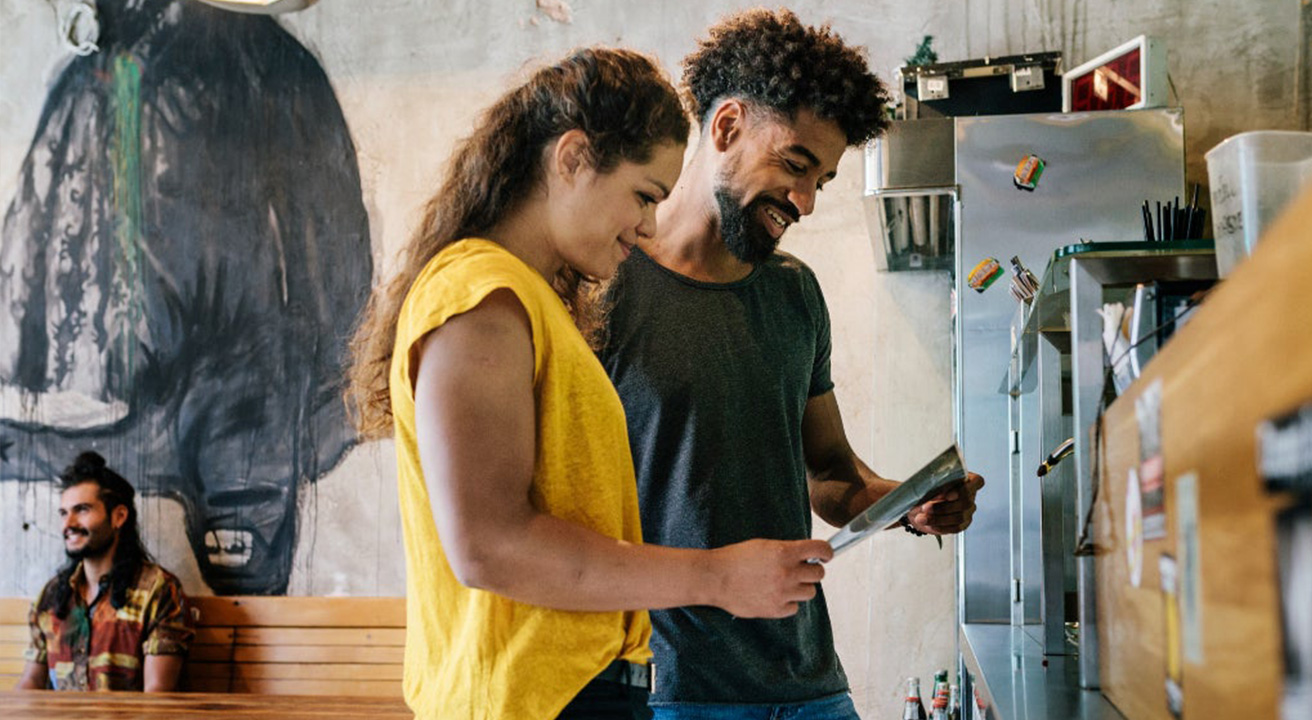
(719, 347)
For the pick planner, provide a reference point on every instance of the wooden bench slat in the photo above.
(12, 651)
(270, 645)
(194, 706)
(308, 612)
(374, 637)
(214, 635)
(384, 637)
(368, 688)
(13, 611)
(295, 671)
(298, 654)
(374, 612)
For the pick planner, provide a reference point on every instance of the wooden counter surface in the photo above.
(1245, 357)
(25, 704)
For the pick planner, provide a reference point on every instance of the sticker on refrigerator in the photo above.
(1133, 528)
(1152, 468)
(1174, 668)
(1028, 172)
(985, 273)
(1191, 572)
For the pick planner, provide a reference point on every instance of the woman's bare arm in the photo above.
(476, 423)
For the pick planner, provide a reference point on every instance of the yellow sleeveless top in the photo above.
(475, 654)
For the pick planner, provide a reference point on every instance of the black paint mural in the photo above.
(186, 253)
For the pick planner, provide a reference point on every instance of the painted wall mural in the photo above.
(179, 271)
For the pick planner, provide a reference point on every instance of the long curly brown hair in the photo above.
(626, 107)
(773, 61)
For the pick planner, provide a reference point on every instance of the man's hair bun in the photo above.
(89, 463)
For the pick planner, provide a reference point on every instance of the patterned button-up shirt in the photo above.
(98, 647)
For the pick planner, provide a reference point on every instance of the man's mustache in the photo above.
(789, 210)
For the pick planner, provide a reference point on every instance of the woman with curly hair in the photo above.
(527, 578)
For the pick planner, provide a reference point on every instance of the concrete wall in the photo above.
(411, 75)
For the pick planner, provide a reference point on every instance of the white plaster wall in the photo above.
(411, 75)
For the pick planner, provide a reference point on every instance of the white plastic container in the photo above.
(1253, 176)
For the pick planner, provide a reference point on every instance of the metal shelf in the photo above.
(1115, 263)
(1011, 679)
(1057, 355)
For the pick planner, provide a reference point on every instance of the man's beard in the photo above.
(741, 228)
(96, 547)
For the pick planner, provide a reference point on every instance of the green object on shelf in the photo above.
(924, 54)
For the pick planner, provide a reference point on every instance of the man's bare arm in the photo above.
(162, 673)
(841, 486)
(35, 676)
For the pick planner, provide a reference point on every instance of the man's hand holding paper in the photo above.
(950, 511)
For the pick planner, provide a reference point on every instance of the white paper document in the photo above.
(938, 475)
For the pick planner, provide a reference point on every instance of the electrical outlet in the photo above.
(1029, 77)
(932, 87)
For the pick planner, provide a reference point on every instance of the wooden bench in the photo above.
(14, 638)
(270, 645)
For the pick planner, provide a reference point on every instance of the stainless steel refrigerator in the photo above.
(946, 194)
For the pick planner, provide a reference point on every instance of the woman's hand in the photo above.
(768, 578)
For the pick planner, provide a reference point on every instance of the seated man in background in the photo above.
(110, 619)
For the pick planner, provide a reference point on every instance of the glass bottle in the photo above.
(913, 709)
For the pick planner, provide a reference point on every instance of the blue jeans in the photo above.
(834, 707)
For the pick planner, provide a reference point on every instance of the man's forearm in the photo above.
(843, 490)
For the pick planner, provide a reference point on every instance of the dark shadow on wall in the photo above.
(187, 252)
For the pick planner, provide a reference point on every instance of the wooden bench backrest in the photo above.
(14, 639)
(272, 645)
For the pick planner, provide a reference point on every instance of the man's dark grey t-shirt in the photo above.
(714, 379)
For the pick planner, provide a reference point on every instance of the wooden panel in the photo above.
(13, 611)
(366, 688)
(301, 611)
(293, 671)
(10, 651)
(280, 645)
(297, 654)
(1246, 356)
(381, 637)
(214, 636)
(171, 706)
(305, 612)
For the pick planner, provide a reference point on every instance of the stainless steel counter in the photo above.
(1007, 667)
